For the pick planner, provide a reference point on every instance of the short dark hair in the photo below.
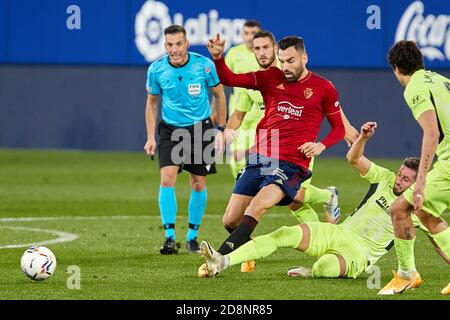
(406, 56)
(292, 41)
(252, 23)
(174, 29)
(412, 163)
(265, 34)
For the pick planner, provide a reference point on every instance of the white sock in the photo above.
(406, 274)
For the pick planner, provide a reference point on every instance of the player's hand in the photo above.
(150, 147)
(311, 149)
(216, 47)
(368, 129)
(219, 143)
(230, 135)
(351, 134)
(418, 196)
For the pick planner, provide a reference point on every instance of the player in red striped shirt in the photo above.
(296, 102)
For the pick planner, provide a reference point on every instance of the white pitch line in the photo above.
(62, 237)
(66, 237)
(26, 219)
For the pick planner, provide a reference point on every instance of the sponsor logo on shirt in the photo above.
(194, 89)
(417, 100)
(383, 204)
(149, 89)
(288, 110)
(280, 86)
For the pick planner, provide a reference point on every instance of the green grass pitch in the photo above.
(109, 201)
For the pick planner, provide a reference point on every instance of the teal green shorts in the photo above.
(437, 189)
(327, 238)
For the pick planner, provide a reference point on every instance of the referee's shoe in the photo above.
(192, 246)
(169, 247)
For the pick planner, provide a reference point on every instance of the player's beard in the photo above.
(269, 63)
(294, 76)
(396, 191)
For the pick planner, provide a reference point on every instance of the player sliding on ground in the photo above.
(343, 250)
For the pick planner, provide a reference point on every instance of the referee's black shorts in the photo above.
(191, 148)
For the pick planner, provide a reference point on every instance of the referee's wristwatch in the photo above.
(221, 128)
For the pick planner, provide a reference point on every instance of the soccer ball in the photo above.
(38, 263)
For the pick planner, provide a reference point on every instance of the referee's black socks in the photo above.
(239, 236)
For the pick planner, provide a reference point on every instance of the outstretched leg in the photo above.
(260, 247)
(266, 198)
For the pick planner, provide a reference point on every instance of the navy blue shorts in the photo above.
(261, 171)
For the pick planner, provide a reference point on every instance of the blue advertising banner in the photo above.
(338, 33)
(3, 30)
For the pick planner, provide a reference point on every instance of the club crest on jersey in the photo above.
(194, 89)
(207, 69)
(308, 93)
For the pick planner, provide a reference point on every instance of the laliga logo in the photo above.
(154, 17)
(430, 32)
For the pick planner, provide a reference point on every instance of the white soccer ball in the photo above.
(38, 263)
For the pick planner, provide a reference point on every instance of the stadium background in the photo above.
(84, 88)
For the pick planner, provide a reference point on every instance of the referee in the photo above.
(187, 135)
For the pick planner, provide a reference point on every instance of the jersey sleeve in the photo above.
(377, 174)
(331, 100)
(244, 102)
(212, 79)
(229, 78)
(229, 59)
(152, 84)
(418, 99)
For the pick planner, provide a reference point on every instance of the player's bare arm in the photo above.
(151, 113)
(234, 122)
(355, 155)
(351, 134)
(213, 104)
(430, 140)
(220, 100)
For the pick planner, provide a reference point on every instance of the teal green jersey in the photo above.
(429, 90)
(371, 225)
(240, 60)
(251, 102)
